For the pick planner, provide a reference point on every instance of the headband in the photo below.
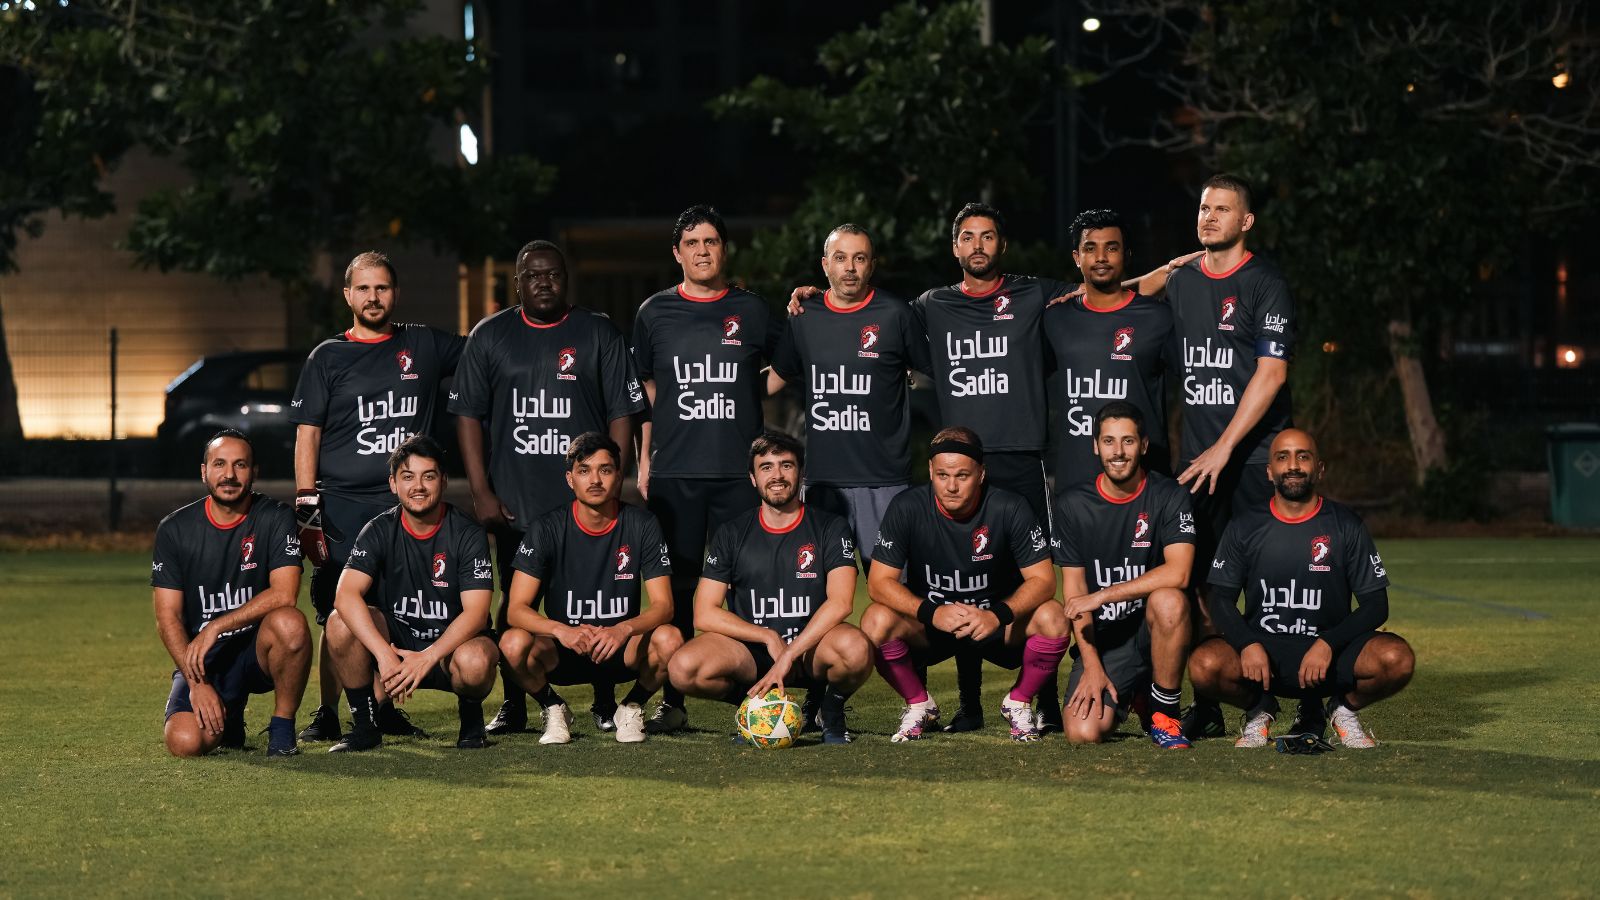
(953, 445)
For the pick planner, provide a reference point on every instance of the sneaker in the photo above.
(811, 712)
(666, 719)
(1310, 718)
(830, 718)
(1203, 719)
(1048, 704)
(475, 740)
(1020, 715)
(511, 719)
(557, 724)
(1350, 731)
(357, 741)
(629, 726)
(1167, 733)
(1256, 733)
(324, 726)
(967, 718)
(393, 720)
(278, 752)
(917, 718)
(605, 718)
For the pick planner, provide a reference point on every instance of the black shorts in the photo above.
(439, 678)
(231, 668)
(1021, 472)
(1285, 651)
(1127, 665)
(799, 674)
(942, 645)
(573, 667)
(1240, 485)
(345, 516)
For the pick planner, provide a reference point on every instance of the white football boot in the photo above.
(557, 725)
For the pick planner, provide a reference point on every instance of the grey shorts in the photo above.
(1127, 665)
(863, 506)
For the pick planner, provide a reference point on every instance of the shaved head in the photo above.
(1295, 438)
(1294, 465)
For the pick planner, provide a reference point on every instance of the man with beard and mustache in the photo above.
(532, 378)
(1235, 329)
(360, 395)
(413, 604)
(778, 584)
(225, 576)
(1298, 560)
(1134, 530)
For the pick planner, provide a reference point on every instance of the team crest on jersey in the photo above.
(805, 561)
(1121, 342)
(1321, 549)
(869, 342)
(566, 361)
(731, 329)
(438, 571)
(247, 552)
(624, 562)
(1141, 531)
(980, 544)
(1002, 308)
(407, 364)
(1230, 305)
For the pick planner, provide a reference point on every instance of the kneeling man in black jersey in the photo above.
(977, 578)
(1298, 559)
(594, 561)
(778, 583)
(413, 603)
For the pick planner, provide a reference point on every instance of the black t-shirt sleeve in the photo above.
(786, 359)
(654, 560)
(720, 554)
(623, 396)
(643, 352)
(366, 554)
(1177, 520)
(1372, 610)
(915, 338)
(309, 406)
(1274, 317)
(166, 561)
(1028, 544)
(536, 553)
(473, 572)
(838, 551)
(777, 327)
(1228, 568)
(1363, 565)
(1064, 543)
(449, 347)
(470, 393)
(1224, 602)
(895, 533)
(283, 548)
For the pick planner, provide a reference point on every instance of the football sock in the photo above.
(514, 693)
(470, 713)
(833, 701)
(1041, 657)
(605, 695)
(1164, 700)
(735, 695)
(893, 662)
(363, 708)
(671, 696)
(637, 694)
(280, 733)
(969, 678)
(547, 697)
(1264, 703)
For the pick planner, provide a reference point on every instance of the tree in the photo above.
(916, 117)
(1403, 150)
(306, 127)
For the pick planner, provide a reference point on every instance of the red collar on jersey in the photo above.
(1273, 505)
(404, 523)
(1143, 480)
(990, 292)
(349, 335)
(701, 299)
(532, 324)
(1210, 274)
(606, 530)
(760, 517)
(213, 519)
(939, 507)
(1125, 301)
(827, 300)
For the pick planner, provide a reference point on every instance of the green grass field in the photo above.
(1487, 782)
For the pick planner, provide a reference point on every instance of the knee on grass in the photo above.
(184, 736)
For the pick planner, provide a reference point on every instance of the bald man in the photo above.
(1298, 561)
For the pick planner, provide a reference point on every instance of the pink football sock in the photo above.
(893, 661)
(1041, 657)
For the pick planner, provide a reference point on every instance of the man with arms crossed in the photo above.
(413, 604)
(1297, 560)
(1134, 529)
(978, 577)
(699, 347)
(361, 393)
(594, 560)
(533, 377)
(787, 574)
(225, 576)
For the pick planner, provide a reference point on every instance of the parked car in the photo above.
(247, 390)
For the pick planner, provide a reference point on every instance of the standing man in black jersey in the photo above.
(1235, 329)
(595, 560)
(360, 395)
(1110, 344)
(977, 577)
(1297, 560)
(763, 622)
(413, 604)
(533, 377)
(1134, 530)
(851, 358)
(699, 347)
(224, 579)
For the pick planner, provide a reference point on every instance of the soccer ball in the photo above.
(771, 722)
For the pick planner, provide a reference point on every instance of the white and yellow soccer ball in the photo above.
(770, 722)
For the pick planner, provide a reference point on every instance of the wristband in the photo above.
(1004, 613)
(925, 612)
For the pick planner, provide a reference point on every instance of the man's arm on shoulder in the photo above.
(1154, 282)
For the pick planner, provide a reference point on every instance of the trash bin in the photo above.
(1575, 474)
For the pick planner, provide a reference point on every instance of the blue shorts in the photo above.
(233, 669)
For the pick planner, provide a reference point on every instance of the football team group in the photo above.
(739, 575)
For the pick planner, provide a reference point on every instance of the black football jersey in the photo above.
(988, 356)
(977, 561)
(779, 579)
(368, 397)
(218, 568)
(537, 387)
(850, 368)
(1101, 356)
(705, 357)
(1298, 575)
(1225, 322)
(418, 577)
(1115, 541)
(593, 577)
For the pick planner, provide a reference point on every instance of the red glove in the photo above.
(308, 515)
